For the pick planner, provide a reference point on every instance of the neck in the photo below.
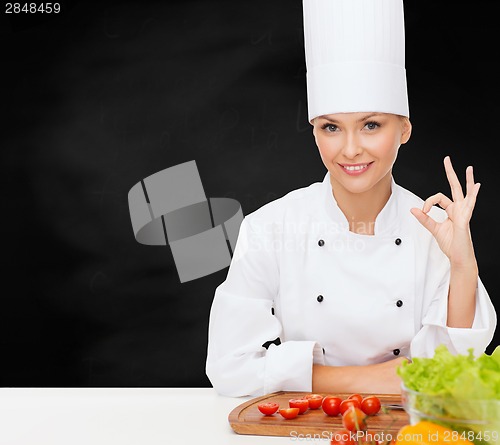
(361, 209)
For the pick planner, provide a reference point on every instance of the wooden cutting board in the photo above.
(247, 419)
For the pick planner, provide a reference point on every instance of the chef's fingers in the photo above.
(469, 175)
(438, 198)
(470, 199)
(425, 220)
(456, 189)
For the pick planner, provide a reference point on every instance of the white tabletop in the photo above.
(120, 416)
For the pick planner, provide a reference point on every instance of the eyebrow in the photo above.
(364, 118)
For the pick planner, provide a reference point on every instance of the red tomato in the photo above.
(268, 408)
(343, 437)
(315, 400)
(289, 413)
(357, 397)
(354, 419)
(331, 405)
(301, 404)
(348, 403)
(370, 405)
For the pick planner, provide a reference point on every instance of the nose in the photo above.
(352, 146)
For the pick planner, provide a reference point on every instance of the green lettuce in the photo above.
(459, 391)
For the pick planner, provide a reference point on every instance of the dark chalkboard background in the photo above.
(106, 93)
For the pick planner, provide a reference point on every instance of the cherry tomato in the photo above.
(301, 404)
(343, 437)
(289, 413)
(354, 419)
(347, 403)
(331, 405)
(357, 397)
(268, 408)
(370, 405)
(315, 400)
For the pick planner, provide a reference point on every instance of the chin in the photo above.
(354, 185)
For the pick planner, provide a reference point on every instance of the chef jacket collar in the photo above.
(386, 222)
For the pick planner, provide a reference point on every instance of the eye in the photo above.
(330, 128)
(372, 125)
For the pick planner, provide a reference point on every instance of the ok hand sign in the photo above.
(453, 234)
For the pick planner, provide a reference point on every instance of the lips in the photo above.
(355, 169)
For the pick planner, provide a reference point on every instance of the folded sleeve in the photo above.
(433, 329)
(247, 351)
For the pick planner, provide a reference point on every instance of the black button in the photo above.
(321, 243)
(276, 342)
(323, 350)
(320, 298)
(396, 351)
(399, 303)
(272, 310)
(398, 241)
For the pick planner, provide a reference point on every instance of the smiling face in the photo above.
(359, 149)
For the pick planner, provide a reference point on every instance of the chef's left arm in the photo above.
(470, 317)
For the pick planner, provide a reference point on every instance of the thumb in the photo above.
(425, 220)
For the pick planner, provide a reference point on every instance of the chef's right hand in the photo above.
(385, 376)
(379, 378)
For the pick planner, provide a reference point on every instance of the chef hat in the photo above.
(355, 56)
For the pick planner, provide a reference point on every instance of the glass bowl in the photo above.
(473, 419)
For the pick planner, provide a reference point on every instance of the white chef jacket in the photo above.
(303, 289)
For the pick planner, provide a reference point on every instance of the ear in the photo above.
(406, 130)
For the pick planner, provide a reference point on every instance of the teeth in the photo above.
(355, 167)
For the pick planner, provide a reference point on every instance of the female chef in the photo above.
(334, 285)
